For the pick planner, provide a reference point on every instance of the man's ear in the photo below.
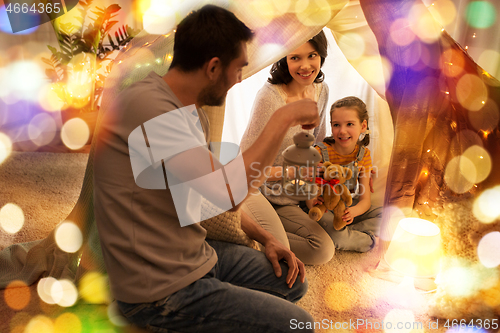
(214, 68)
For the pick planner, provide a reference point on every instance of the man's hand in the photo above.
(275, 251)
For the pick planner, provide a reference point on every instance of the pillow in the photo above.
(224, 227)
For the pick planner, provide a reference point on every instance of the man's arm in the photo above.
(275, 251)
(191, 164)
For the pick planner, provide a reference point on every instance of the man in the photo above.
(162, 274)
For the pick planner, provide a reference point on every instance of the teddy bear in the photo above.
(336, 195)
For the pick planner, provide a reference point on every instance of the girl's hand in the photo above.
(347, 217)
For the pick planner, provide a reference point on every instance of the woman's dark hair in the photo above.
(206, 33)
(356, 104)
(280, 73)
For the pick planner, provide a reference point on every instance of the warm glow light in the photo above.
(68, 237)
(459, 281)
(486, 207)
(93, 288)
(415, 248)
(444, 11)
(313, 12)
(376, 71)
(352, 45)
(47, 288)
(395, 214)
(67, 322)
(69, 293)
(401, 34)
(487, 118)
(42, 129)
(488, 59)
(40, 324)
(458, 172)
(75, 133)
(11, 218)
(397, 316)
(488, 249)
(266, 52)
(79, 85)
(471, 91)
(347, 301)
(17, 83)
(482, 164)
(17, 295)
(159, 19)
(452, 62)
(51, 97)
(423, 25)
(264, 10)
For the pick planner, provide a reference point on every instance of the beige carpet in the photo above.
(46, 186)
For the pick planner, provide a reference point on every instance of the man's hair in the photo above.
(206, 33)
(280, 73)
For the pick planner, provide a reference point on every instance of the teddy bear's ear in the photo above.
(326, 165)
(348, 173)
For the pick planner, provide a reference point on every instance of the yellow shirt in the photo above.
(365, 165)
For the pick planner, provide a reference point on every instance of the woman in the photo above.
(294, 77)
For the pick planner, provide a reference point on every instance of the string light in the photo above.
(474, 35)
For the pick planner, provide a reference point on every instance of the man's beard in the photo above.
(211, 95)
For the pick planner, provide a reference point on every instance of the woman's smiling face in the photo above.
(304, 64)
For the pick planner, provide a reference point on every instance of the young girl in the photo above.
(347, 147)
(294, 77)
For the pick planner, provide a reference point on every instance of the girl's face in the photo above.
(304, 64)
(346, 128)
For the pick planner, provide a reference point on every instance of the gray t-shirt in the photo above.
(148, 255)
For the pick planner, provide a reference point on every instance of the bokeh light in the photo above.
(376, 71)
(488, 249)
(159, 18)
(11, 218)
(465, 139)
(17, 295)
(459, 279)
(69, 293)
(51, 97)
(487, 118)
(40, 324)
(15, 87)
(42, 129)
(313, 12)
(399, 316)
(489, 60)
(423, 24)
(347, 301)
(68, 237)
(458, 172)
(115, 315)
(268, 52)
(471, 92)
(67, 323)
(264, 10)
(75, 133)
(401, 34)
(482, 163)
(6, 27)
(5, 147)
(282, 6)
(47, 288)
(19, 321)
(352, 45)
(486, 207)
(452, 62)
(93, 288)
(480, 14)
(444, 11)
